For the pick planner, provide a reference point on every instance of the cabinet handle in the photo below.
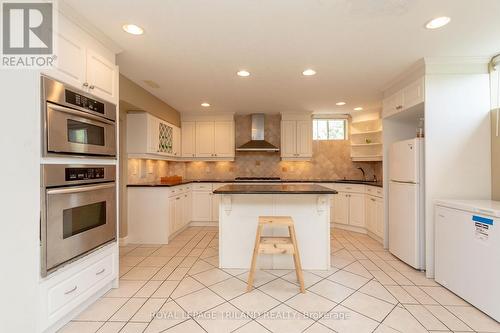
(91, 87)
(399, 107)
(71, 291)
(178, 198)
(372, 199)
(441, 215)
(85, 84)
(101, 271)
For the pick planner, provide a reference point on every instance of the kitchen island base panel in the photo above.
(238, 219)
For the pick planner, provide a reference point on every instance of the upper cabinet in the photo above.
(409, 96)
(366, 140)
(296, 137)
(82, 63)
(210, 140)
(151, 137)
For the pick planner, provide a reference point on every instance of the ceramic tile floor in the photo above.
(178, 288)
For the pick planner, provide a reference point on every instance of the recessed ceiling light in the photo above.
(133, 29)
(438, 22)
(243, 73)
(359, 108)
(340, 103)
(309, 72)
(205, 105)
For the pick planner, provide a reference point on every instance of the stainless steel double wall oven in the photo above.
(78, 200)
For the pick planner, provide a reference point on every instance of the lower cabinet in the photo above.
(358, 206)
(202, 205)
(375, 215)
(348, 209)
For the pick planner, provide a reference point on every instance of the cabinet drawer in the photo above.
(349, 188)
(202, 187)
(376, 191)
(68, 290)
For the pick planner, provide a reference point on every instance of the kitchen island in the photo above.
(241, 205)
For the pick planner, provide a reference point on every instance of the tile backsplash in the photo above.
(331, 160)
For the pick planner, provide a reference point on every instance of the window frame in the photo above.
(346, 128)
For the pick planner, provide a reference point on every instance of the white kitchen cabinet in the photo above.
(370, 211)
(70, 63)
(171, 216)
(413, 94)
(205, 139)
(85, 69)
(202, 205)
(304, 138)
(296, 139)
(101, 76)
(409, 96)
(151, 137)
(379, 217)
(188, 139)
(340, 208)
(223, 138)
(288, 138)
(357, 210)
(187, 206)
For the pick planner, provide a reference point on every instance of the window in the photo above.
(329, 129)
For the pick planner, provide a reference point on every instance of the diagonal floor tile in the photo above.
(284, 319)
(186, 286)
(343, 320)
(332, 290)
(211, 276)
(348, 279)
(224, 318)
(375, 289)
(368, 306)
(280, 289)
(401, 320)
(200, 301)
(310, 304)
(229, 288)
(254, 303)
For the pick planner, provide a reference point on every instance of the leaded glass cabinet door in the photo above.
(165, 138)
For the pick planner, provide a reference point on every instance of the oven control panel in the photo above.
(84, 173)
(84, 102)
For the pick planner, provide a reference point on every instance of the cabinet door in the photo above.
(188, 138)
(392, 104)
(379, 217)
(70, 62)
(223, 139)
(413, 94)
(204, 138)
(304, 138)
(340, 210)
(153, 134)
(179, 210)
(370, 217)
(101, 76)
(215, 207)
(188, 210)
(357, 210)
(202, 206)
(171, 215)
(288, 138)
(176, 145)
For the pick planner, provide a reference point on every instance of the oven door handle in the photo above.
(79, 189)
(79, 113)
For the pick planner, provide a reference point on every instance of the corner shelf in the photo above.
(362, 131)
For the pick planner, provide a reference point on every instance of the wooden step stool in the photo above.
(276, 245)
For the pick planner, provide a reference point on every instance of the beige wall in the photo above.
(331, 160)
(134, 97)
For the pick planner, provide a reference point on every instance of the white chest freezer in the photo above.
(467, 251)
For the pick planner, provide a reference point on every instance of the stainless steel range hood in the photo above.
(258, 143)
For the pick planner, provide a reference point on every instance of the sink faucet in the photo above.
(363, 171)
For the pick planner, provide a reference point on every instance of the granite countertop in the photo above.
(188, 181)
(274, 189)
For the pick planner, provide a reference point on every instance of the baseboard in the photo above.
(375, 237)
(203, 224)
(123, 241)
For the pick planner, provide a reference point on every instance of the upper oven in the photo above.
(76, 123)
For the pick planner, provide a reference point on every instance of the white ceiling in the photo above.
(193, 48)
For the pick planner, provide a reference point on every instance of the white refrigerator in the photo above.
(406, 202)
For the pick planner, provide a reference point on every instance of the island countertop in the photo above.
(274, 189)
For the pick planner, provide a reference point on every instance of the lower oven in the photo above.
(79, 212)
